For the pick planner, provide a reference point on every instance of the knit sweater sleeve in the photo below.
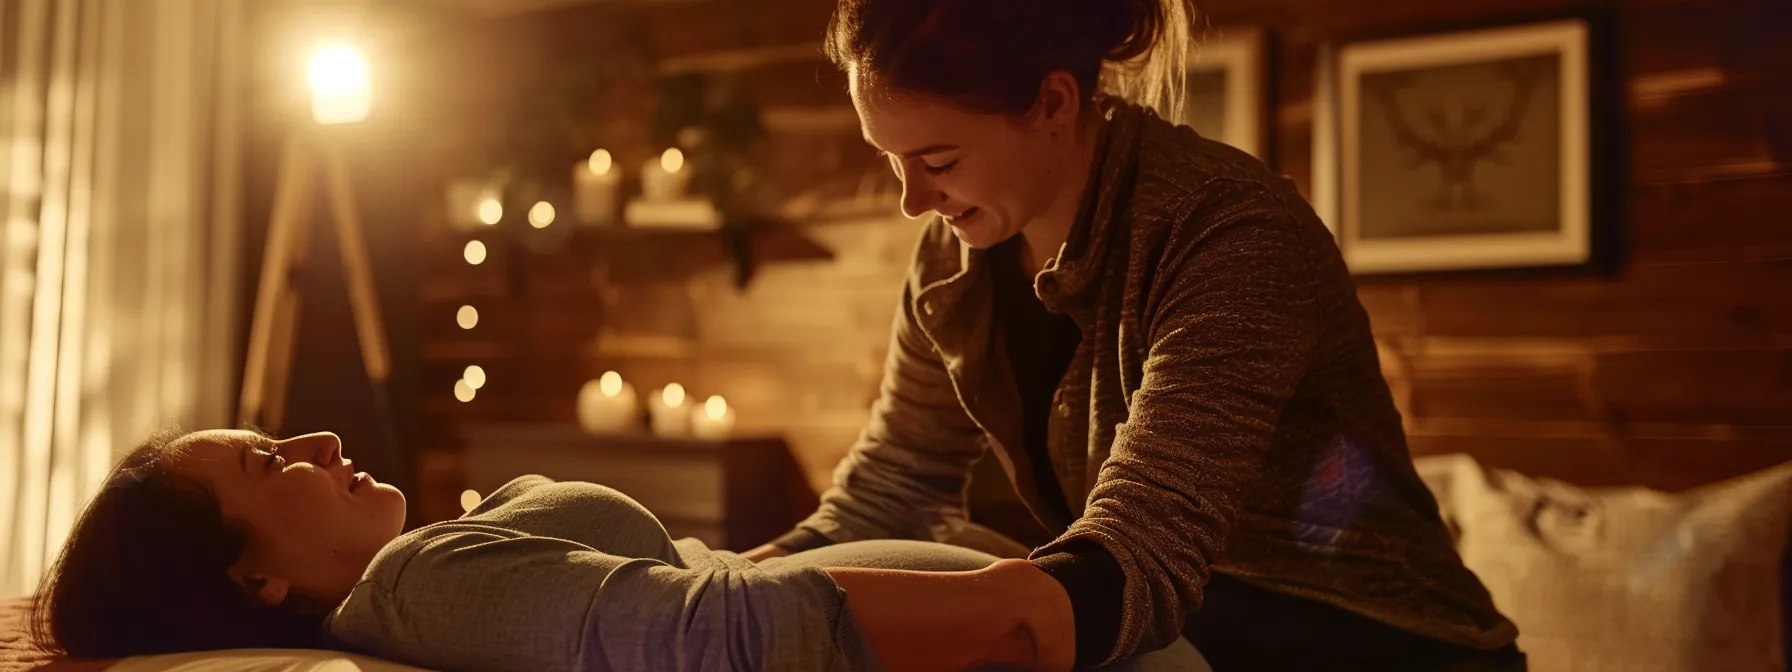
(1231, 330)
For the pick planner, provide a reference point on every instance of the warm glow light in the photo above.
(463, 391)
(600, 162)
(467, 317)
(673, 395)
(339, 89)
(474, 376)
(469, 499)
(490, 211)
(672, 160)
(715, 407)
(475, 252)
(541, 214)
(610, 384)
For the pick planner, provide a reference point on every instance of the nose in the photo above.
(918, 196)
(320, 449)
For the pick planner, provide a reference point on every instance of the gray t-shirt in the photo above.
(546, 576)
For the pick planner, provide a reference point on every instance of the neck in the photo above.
(1044, 236)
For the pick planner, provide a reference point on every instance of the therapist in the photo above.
(1156, 337)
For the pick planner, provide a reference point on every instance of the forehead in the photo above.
(898, 121)
(217, 444)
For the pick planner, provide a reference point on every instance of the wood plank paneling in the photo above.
(1746, 219)
(1724, 302)
(1672, 372)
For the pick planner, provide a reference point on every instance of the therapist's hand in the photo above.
(765, 552)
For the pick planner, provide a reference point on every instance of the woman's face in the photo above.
(313, 523)
(987, 175)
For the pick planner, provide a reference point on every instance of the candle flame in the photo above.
(672, 160)
(600, 162)
(673, 395)
(610, 384)
(715, 407)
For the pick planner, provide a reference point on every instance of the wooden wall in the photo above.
(1674, 370)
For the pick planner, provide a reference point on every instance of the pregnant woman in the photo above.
(229, 539)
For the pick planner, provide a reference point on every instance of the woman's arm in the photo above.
(1234, 330)
(1010, 615)
(905, 476)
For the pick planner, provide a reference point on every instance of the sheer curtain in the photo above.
(118, 246)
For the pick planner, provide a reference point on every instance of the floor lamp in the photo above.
(340, 95)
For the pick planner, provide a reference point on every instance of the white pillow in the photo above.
(260, 660)
(1625, 578)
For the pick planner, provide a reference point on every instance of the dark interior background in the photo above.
(1670, 367)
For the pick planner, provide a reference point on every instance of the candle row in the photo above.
(596, 187)
(609, 405)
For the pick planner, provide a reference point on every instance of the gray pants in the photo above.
(1180, 656)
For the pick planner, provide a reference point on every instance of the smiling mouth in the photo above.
(955, 220)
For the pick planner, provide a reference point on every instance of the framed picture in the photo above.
(1466, 150)
(1225, 94)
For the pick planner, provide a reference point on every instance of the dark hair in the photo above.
(146, 571)
(991, 55)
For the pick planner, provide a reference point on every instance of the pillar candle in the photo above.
(666, 177)
(608, 405)
(713, 420)
(596, 182)
(667, 411)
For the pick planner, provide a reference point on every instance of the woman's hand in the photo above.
(765, 552)
(1010, 614)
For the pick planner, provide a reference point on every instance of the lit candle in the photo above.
(667, 412)
(594, 184)
(713, 420)
(665, 178)
(607, 405)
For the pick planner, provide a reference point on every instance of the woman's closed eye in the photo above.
(941, 169)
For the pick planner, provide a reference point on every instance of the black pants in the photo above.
(1243, 628)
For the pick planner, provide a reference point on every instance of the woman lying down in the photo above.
(229, 539)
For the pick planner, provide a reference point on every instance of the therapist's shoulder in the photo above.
(1189, 186)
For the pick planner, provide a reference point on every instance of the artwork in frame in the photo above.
(1224, 94)
(1466, 150)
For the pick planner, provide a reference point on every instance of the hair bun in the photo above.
(1129, 28)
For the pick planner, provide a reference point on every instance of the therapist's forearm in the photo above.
(1010, 614)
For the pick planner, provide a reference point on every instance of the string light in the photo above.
(475, 252)
(467, 317)
(474, 376)
(468, 500)
(541, 214)
(463, 391)
(491, 211)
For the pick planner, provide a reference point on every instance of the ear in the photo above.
(1060, 101)
(266, 590)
